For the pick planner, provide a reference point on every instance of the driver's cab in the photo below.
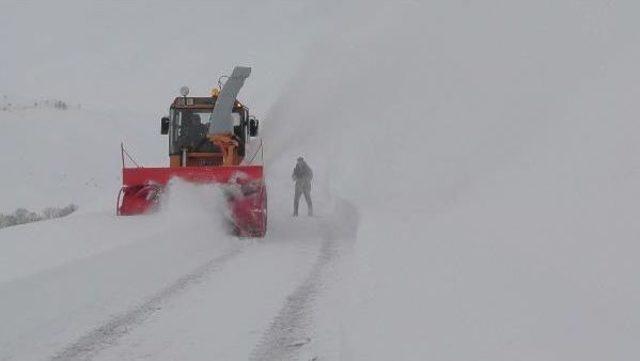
(190, 131)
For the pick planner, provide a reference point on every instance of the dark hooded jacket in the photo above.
(302, 172)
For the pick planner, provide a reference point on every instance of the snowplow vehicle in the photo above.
(212, 139)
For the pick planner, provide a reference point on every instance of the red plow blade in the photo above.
(244, 187)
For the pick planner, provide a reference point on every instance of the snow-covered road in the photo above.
(172, 289)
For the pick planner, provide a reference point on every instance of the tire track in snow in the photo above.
(108, 334)
(289, 331)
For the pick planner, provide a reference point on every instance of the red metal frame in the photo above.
(141, 188)
(137, 176)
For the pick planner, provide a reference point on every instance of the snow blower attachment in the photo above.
(209, 141)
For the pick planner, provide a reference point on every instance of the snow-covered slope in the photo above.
(492, 150)
(56, 157)
(476, 170)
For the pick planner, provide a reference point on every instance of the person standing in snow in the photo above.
(302, 175)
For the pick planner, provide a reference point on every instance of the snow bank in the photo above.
(491, 151)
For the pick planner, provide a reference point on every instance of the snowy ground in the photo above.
(477, 172)
(169, 285)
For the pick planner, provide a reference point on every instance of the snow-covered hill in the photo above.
(476, 173)
(55, 157)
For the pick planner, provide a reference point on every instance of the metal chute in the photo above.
(220, 121)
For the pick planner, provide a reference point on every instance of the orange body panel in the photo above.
(174, 161)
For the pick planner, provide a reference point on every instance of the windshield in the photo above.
(189, 129)
(192, 117)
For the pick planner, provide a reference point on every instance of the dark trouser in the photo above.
(302, 187)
